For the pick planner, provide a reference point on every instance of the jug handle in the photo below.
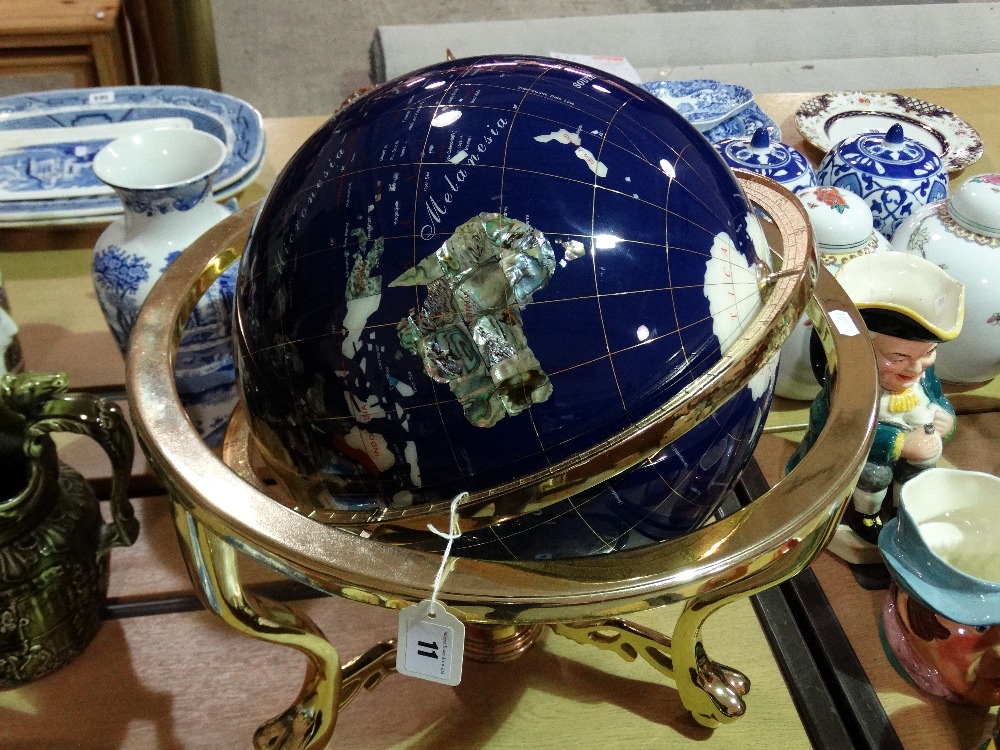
(104, 422)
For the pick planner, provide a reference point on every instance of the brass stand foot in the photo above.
(499, 643)
(722, 685)
(308, 724)
(298, 728)
(712, 692)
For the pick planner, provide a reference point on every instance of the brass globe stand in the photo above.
(222, 508)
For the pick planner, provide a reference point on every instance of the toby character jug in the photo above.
(54, 543)
(941, 619)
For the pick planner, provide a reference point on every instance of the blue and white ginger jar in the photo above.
(776, 160)
(895, 175)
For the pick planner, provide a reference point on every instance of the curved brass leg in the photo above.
(624, 638)
(367, 671)
(309, 723)
(712, 692)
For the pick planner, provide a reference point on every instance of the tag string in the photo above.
(454, 532)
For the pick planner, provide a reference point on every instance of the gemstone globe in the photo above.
(482, 269)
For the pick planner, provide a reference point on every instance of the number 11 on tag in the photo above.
(431, 643)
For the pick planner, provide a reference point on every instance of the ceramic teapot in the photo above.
(895, 175)
(962, 235)
(54, 544)
(942, 618)
(776, 160)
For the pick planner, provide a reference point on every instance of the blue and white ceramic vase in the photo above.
(10, 348)
(895, 175)
(776, 160)
(164, 179)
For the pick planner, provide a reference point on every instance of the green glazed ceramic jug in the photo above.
(54, 543)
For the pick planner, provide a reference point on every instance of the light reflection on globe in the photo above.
(479, 270)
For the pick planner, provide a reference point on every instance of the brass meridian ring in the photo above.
(796, 517)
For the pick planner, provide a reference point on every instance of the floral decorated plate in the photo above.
(48, 139)
(827, 119)
(702, 102)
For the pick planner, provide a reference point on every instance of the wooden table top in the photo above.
(183, 680)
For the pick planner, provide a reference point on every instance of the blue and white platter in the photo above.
(48, 140)
(702, 102)
(744, 124)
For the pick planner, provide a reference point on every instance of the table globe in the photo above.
(474, 274)
(525, 292)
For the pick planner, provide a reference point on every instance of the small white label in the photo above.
(101, 97)
(843, 322)
(614, 64)
(431, 643)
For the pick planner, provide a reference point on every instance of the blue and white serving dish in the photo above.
(702, 102)
(744, 124)
(48, 140)
(741, 122)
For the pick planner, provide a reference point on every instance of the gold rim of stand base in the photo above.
(220, 512)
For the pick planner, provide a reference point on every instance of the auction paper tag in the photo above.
(107, 96)
(431, 643)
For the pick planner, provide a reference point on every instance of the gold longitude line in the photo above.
(695, 196)
(506, 148)
(416, 293)
(670, 490)
(670, 271)
(597, 286)
(502, 542)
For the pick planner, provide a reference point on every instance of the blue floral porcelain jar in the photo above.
(776, 160)
(895, 175)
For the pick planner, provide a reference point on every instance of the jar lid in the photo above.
(841, 220)
(889, 155)
(976, 204)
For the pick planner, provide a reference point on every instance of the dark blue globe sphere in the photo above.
(477, 271)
